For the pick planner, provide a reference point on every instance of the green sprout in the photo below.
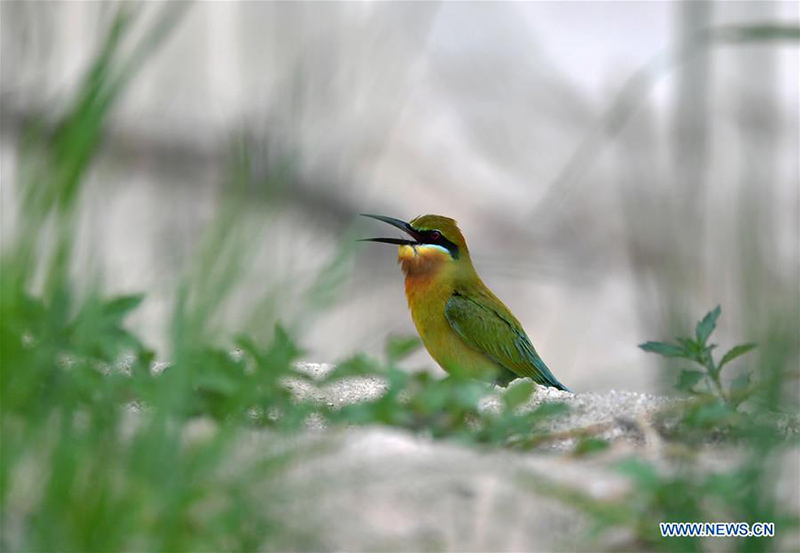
(699, 350)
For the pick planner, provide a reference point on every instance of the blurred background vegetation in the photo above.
(178, 179)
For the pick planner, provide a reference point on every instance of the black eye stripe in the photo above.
(436, 237)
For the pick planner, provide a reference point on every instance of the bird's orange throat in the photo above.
(422, 265)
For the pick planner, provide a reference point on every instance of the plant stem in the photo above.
(713, 372)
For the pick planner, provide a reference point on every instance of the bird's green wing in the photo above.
(498, 337)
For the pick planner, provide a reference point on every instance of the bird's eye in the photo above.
(435, 235)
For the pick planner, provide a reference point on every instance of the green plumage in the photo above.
(498, 336)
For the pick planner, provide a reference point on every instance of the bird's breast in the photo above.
(428, 280)
(427, 298)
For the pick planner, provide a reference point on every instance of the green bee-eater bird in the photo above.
(463, 325)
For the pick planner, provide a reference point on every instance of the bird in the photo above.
(467, 330)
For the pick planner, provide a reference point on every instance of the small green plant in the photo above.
(681, 488)
(700, 351)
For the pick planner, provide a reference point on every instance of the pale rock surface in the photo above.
(379, 488)
(383, 489)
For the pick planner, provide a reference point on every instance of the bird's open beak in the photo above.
(402, 225)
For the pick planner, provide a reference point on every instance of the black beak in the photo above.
(402, 225)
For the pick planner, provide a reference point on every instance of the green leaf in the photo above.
(590, 445)
(692, 350)
(400, 347)
(714, 414)
(358, 365)
(642, 472)
(707, 325)
(468, 394)
(735, 352)
(689, 345)
(762, 32)
(120, 306)
(246, 344)
(283, 347)
(688, 380)
(97, 330)
(518, 394)
(665, 349)
(217, 381)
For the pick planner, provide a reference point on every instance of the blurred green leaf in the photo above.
(713, 414)
(327, 288)
(643, 473)
(400, 347)
(764, 32)
(358, 365)
(688, 380)
(97, 330)
(735, 352)
(707, 325)
(120, 306)
(664, 348)
(518, 394)
(589, 446)
(283, 350)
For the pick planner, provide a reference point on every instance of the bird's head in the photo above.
(434, 242)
